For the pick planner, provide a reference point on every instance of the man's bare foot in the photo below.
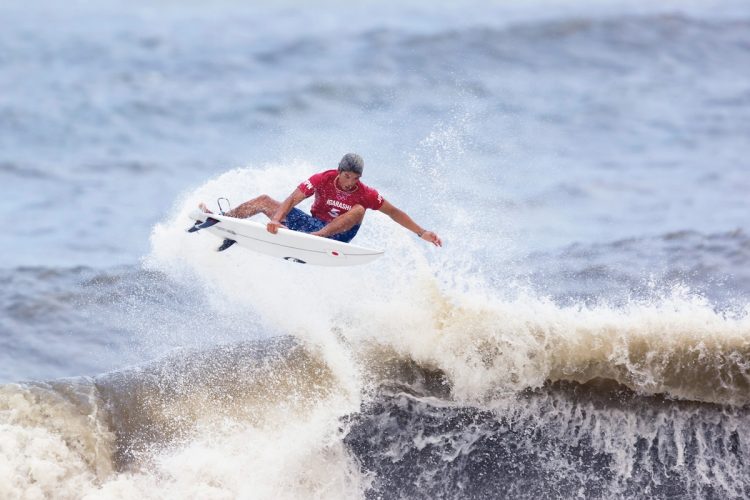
(202, 206)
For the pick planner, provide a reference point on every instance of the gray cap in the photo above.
(352, 162)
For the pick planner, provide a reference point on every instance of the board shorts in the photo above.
(297, 220)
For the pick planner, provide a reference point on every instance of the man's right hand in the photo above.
(273, 226)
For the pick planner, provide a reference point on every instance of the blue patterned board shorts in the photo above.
(297, 220)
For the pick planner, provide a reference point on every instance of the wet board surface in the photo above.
(290, 245)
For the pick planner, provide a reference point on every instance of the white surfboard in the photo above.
(290, 245)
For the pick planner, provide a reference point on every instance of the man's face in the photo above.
(347, 180)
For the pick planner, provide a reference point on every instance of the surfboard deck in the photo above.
(290, 245)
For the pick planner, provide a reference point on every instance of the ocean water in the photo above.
(583, 333)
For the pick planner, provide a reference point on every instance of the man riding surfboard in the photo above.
(338, 208)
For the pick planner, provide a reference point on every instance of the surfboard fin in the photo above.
(210, 221)
(226, 244)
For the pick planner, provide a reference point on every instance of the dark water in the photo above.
(551, 442)
(585, 331)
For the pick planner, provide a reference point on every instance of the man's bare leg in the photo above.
(262, 203)
(343, 222)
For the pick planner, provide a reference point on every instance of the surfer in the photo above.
(338, 209)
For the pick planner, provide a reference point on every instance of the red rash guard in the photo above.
(330, 201)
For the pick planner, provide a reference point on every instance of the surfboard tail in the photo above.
(210, 221)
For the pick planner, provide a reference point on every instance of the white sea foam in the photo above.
(421, 303)
(54, 441)
(215, 425)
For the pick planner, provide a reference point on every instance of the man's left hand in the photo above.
(432, 238)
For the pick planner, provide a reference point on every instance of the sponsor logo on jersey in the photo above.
(338, 204)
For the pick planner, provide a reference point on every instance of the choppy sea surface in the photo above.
(583, 333)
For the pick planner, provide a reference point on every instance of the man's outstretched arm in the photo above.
(286, 206)
(403, 218)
